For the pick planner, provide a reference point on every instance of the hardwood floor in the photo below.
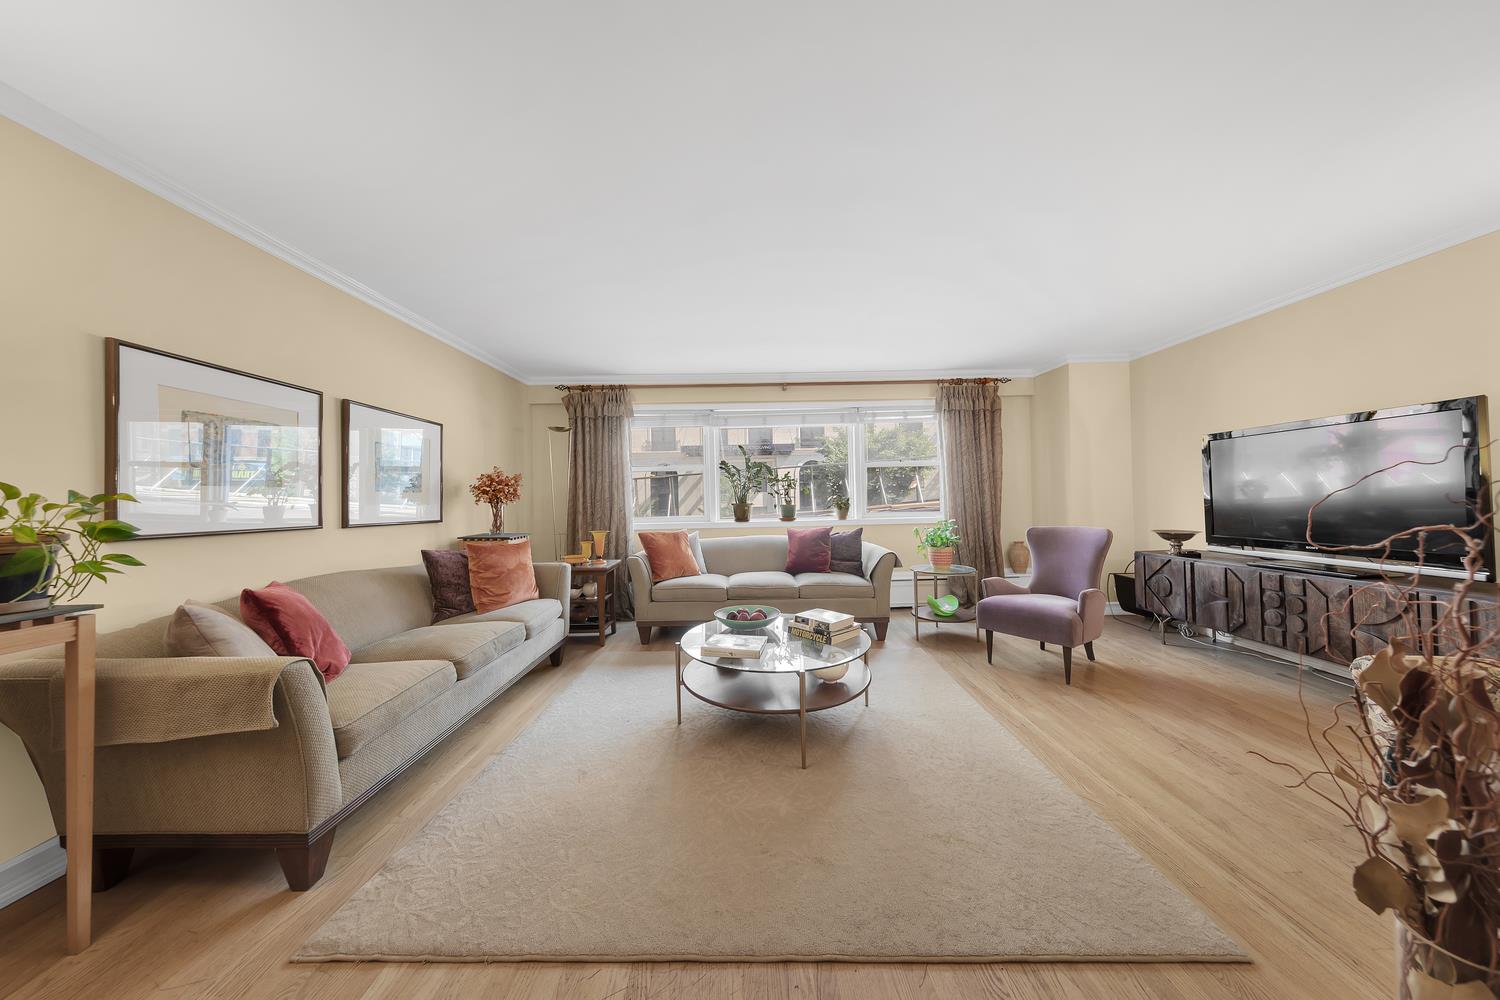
(1156, 738)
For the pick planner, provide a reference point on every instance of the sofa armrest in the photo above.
(1091, 605)
(554, 580)
(997, 586)
(640, 580)
(878, 564)
(282, 779)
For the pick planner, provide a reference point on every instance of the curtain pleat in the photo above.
(599, 476)
(969, 414)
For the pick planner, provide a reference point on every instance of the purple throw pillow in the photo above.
(848, 552)
(448, 572)
(808, 550)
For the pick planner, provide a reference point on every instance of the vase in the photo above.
(940, 559)
(1418, 959)
(1018, 557)
(789, 512)
(497, 518)
(599, 537)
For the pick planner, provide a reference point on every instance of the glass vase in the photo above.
(1417, 956)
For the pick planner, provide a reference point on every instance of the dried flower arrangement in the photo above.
(496, 489)
(1412, 762)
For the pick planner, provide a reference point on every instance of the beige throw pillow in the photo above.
(204, 630)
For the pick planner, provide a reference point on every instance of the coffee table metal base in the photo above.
(770, 693)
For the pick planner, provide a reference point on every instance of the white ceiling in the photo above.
(659, 190)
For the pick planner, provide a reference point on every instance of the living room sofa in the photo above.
(751, 569)
(261, 752)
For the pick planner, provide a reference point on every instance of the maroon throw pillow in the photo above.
(808, 550)
(448, 572)
(848, 552)
(293, 627)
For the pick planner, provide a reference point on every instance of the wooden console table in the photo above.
(72, 627)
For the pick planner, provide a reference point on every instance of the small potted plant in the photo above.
(274, 487)
(496, 489)
(745, 481)
(49, 551)
(839, 500)
(785, 488)
(938, 541)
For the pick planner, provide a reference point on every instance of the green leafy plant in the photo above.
(744, 482)
(275, 487)
(942, 535)
(838, 497)
(58, 543)
(785, 489)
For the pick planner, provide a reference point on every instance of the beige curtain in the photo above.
(599, 475)
(969, 412)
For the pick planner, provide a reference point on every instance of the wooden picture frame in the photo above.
(236, 454)
(408, 490)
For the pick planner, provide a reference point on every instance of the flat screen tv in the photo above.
(1260, 483)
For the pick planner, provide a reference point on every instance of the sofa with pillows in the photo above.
(679, 578)
(264, 720)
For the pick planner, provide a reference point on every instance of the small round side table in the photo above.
(920, 612)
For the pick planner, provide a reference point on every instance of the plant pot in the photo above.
(842, 512)
(940, 558)
(1418, 959)
(19, 594)
(742, 512)
(789, 512)
(273, 515)
(1018, 555)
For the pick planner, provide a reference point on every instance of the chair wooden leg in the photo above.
(303, 866)
(1067, 664)
(989, 645)
(644, 631)
(111, 865)
(1088, 650)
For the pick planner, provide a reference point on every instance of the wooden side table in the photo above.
(72, 627)
(602, 604)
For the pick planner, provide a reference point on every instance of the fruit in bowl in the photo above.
(747, 616)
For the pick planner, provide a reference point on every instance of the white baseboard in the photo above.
(29, 871)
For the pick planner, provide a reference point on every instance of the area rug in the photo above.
(922, 830)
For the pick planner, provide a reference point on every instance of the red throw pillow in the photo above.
(293, 627)
(808, 550)
(669, 554)
(501, 574)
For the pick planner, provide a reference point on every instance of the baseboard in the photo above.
(29, 871)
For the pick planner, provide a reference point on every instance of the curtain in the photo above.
(599, 476)
(969, 415)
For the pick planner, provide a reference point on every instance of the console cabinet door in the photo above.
(1163, 585)
(1376, 616)
(1305, 614)
(1226, 598)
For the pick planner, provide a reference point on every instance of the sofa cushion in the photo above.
(848, 552)
(534, 615)
(808, 550)
(703, 587)
(290, 625)
(368, 699)
(501, 574)
(470, 646)
(833, 585)
(668, 554)
(448, 570)
(767, 583)
(205, 630)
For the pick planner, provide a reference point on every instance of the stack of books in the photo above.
(829, 627)
(730, 644)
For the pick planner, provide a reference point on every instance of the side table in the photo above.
(602, 604)
(920, 612)
(72, 627)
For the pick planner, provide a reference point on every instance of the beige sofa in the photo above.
(259, 752)
(751, 569)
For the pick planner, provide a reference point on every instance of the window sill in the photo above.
(698, 524)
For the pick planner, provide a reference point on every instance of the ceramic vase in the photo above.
(1018, 556)
(599, 537)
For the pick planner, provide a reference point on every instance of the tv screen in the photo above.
(1261, 483)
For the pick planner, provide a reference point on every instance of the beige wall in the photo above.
(1424, 331)
(86, 255)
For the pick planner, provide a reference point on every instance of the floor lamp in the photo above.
(557, 538)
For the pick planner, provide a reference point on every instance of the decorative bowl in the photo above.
(944, 606)
(771, 614)
(832, 674)
(575, 560)
(1174, 537)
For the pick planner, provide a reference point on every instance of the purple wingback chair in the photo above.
(1063, 604)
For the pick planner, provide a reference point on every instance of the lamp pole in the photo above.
(552, 489)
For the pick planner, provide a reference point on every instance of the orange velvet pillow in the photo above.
(500, 574)
(669, 554)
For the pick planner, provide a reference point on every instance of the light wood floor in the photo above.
(1155, 738)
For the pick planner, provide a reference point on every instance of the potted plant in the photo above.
(274, 487)
(938, 541)
(49, 551)
(496, 489)
(784, 487)
(839, 500)
(743, 482)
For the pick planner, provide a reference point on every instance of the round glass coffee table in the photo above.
(785, 680)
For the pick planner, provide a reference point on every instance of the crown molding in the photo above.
(788, 378)
(30, 113)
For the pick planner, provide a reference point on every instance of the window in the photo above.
(884, 457)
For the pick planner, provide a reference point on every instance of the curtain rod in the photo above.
(784, 386)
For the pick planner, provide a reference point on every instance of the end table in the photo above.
(602, 604)
(920, 612)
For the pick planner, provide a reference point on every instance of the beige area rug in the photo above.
(921, 831)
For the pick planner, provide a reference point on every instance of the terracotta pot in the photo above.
(742, 512)
(1419, 960)
(1018, 556)
(940, 558)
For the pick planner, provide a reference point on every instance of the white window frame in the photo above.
(854, 416)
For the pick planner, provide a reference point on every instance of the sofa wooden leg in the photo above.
(1042, 646)
(111, 865)
(1067, 664)
(303, 866)
(989, 645)
(644, 631)
(1088, 650)
(881, 624)
(556, 656)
